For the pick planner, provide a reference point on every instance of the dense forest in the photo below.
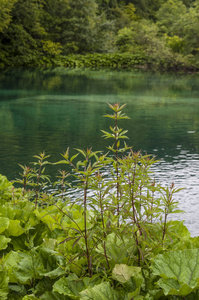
(162, 33)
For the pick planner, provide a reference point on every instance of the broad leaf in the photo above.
(116, 249)
(123, 273)
(3, 285)
(70, 286)
(4, 223)
(14, 228)
(29, 268)
(30, 297)
(4, 242)
(10, 262)
(50, 216)
(53, 296)
(129, 276)
(102, 291)
(51, 262)
(179, 271)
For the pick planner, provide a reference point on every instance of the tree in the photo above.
(190, 25)
(55, 15)
(25, 40)
(77, 26)
(143, 39)
(22, 38)
(5, 13)
(169, 17)
(146, 8)
(181, 26)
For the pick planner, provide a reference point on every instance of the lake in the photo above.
(51, 109)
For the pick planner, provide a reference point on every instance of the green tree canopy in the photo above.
(5, 13)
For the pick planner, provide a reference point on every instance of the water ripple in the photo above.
(183, 171)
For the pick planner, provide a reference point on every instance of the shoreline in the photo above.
(111, 61)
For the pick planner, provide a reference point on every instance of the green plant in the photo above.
(113, 241)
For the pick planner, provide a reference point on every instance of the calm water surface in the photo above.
(52, 109)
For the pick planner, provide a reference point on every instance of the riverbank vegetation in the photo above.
(100, 33)
(113, 240)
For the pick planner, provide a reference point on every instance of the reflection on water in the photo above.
(52, 109)
(183, 171)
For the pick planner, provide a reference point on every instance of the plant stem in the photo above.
(103, 226)
(89, 259)
(135, 219)
(117, 171)
(37, 188)
(168, 204)
(164, 227)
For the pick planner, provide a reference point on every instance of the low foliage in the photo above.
(112, 241)
(116, 60)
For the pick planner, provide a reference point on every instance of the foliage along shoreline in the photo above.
(117, 61)
(112, 61)
(157, 35)
(115, 244)
(126, 61)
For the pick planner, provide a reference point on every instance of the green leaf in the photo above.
(73, 157)
(109, 116)
(4, 223)
(49, 216)
(177, 211)
(14, 228)
(4, 183)
(129, 276)
(30, 297)
(3, 285)
(4, 242)
(62, 162)
(51, 262)
(70, 286)
(29, 268)
(116, 249)
(82, 152)
(173, 287)
(52, 296)
(123, 273)
(179, 271)
(11, 261)
(102, 291)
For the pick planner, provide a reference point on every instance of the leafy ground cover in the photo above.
(138, 60)
(114, 241)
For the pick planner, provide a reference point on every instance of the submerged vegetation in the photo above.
(113, 241)
(161, 34)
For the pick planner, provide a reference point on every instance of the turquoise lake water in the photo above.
(51, 109)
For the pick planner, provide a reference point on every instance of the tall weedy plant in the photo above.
(132, 195)
(116, 133)
(83, 171)
(120, 214)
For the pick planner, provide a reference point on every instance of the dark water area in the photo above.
(52, 109)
